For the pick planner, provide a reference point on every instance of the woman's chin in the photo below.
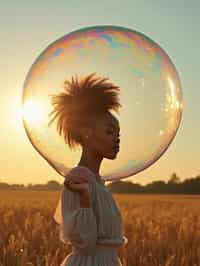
(112, 156)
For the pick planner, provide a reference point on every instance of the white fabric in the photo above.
(85, 228)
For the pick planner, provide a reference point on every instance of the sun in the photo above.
(32, 111)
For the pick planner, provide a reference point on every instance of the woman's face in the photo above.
(105, 137)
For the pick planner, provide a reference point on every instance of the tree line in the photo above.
(173, 185)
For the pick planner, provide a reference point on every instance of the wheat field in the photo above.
(163, 230)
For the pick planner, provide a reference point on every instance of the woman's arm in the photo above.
(79, 221)
(79, 183)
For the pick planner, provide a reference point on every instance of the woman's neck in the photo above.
(91, 161)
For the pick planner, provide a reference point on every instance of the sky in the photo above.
(28, 27)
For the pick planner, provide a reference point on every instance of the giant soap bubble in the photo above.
(150, 95)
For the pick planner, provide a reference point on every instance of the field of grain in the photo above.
(163, 230)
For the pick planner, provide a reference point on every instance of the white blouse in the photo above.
(84, 228)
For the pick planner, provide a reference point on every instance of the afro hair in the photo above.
(81, 101)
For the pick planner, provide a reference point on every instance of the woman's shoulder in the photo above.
(81, 170)
(84, 173)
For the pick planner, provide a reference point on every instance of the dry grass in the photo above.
(163, 230)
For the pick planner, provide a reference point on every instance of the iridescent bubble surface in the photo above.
(150, 95)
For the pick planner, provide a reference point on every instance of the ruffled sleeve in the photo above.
(77, 225)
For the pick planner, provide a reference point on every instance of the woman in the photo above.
(88, 216)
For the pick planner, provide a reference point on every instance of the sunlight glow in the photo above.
(32, 111)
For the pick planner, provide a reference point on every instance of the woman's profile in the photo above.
(89, 218)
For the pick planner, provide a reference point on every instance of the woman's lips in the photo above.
(116, 148)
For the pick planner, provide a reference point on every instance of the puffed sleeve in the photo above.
(78, 225)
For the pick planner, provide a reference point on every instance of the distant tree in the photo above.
(158, 186)
(30, 186)
(53, 185)
(17, 186)
(124, 187)
(39, 187)
(174, 179)
(4, 185)
(191, 185)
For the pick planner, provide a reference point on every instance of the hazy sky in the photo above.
(28, 27)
